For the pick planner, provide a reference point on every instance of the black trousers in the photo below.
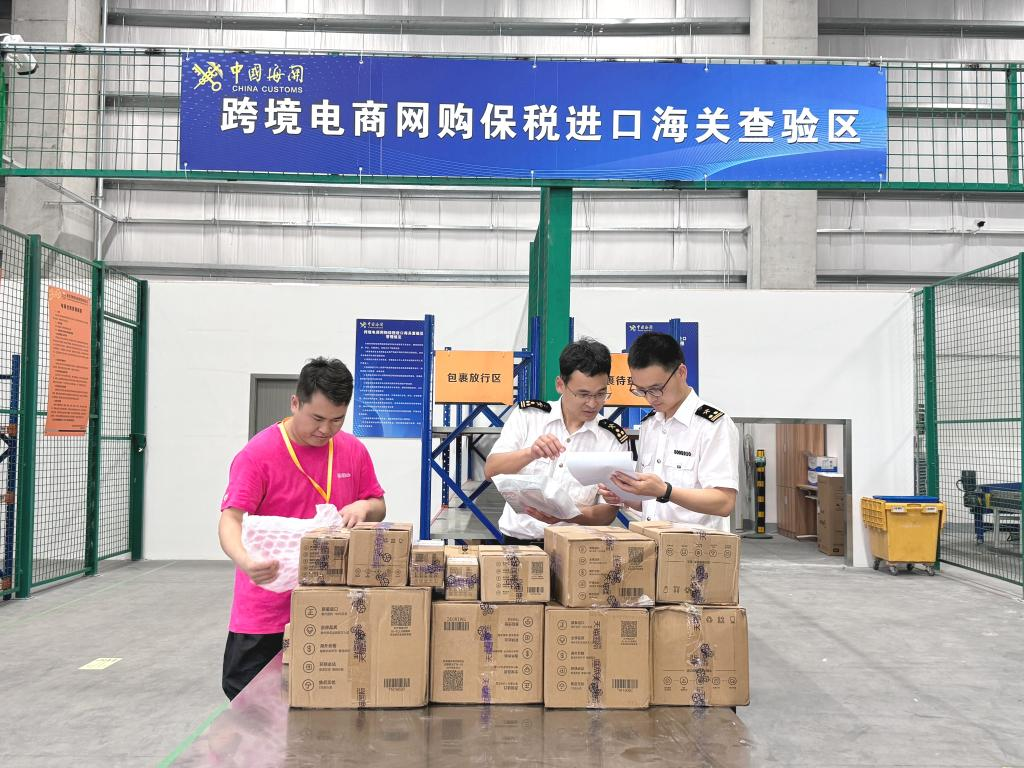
(244, 657)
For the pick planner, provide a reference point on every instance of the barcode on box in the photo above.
(537, 569)
(452, 680)
(456, 625)
(535, 590)
(621, 684)
(629, 630)
(636, 555)
(401, 615)
(631, 591)
(334, 571)
(396, 683)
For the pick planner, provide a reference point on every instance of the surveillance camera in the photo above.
(24, 63)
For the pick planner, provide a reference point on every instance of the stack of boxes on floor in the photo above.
(380, 621)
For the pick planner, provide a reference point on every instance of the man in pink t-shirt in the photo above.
(287, 470)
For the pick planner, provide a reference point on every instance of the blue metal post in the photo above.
(426, 434)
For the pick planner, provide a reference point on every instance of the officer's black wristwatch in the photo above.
(663, 499)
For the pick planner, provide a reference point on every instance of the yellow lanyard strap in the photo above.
(326, 495)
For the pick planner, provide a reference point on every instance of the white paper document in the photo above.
(538, 491)
(591, 468)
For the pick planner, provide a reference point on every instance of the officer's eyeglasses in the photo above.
(593, 397)
(654, 392)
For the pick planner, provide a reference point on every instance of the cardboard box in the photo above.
(426, 564)
(323, 557)
(695, 564)
(486, 653)
(515, 574)
(831, 519)
(814, 474)
(461, 550)
(822, 463)
(357, 648)
(462, 578)
(601, 566)
(699, 656)
(378, 554)
(286, 642)
(597, 658)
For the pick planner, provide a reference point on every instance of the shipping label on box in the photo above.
(355, 648)
(514, 574)
(323, 557)
(426, 564)
(597, 658)
(700, 656)
(286, 642)
(378, 554)
(462, 578)
(487, 653)
(695, 564)
(601, 566)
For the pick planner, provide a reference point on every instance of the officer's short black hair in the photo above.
(589, 357)
(654, 348)
(329, 376)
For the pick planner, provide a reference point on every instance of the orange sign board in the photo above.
(619, 383)
(67, 408)
(473, 377)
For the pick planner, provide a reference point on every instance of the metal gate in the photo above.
(69, 500)
(968, 344)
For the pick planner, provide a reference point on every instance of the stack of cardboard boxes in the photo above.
(699, 653)
(360, 640)
(602, 617)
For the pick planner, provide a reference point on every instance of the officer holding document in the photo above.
(538, 434)
(688, 468)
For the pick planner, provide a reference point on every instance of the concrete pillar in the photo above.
(782, 244)
(29, 206)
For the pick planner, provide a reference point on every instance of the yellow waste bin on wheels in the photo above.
(904, 530)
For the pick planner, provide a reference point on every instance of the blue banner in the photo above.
(389, 378)
(533, 119)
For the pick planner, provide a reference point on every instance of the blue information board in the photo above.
(689, 340)
(532, 119)
(389, 378)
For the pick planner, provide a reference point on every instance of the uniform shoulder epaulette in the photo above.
(647, 416)
(710, 413)
(615, 429)
(542, 404)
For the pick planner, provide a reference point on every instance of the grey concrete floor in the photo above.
(849, 667)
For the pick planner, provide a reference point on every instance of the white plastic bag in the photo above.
(268, 537)
(538, 491)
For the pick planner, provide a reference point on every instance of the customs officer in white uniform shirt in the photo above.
(539, 433)
(688, 450)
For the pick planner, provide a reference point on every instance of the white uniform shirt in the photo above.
(523, 427)
(689, 450)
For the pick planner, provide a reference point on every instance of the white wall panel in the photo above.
(206, 338)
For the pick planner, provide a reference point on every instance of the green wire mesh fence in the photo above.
(110, 110)
(72, 499)
(968, 346)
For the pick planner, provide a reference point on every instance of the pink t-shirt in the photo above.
(265, 481)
